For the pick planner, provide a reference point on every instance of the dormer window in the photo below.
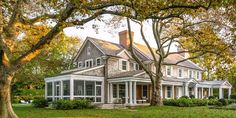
(198, 75)
(190, 73)
(168, 70)
(98, 61)
(124, 65)
(180, 73)
(89, 63)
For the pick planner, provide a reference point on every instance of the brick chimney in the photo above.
(124, 38)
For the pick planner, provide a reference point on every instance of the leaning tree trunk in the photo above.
(156, 94)
(6, 110)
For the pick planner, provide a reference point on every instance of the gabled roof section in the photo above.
(113, 49)
(107, 47)
(83, 46)
(171, 59)
(127, 74)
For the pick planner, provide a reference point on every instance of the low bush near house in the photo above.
(233, 96)
(224, 102)
(199, 102)
(211, 97)
(40, 102)
(71, 104)
(186, 97)
(213, 101)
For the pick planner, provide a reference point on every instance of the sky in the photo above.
(110, 33)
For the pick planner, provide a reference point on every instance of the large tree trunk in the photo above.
(156, 93)
(6, 110)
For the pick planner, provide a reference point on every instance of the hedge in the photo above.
(185, 102)
(71, 104)
(40, 102)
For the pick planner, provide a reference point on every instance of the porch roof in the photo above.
(127, 74)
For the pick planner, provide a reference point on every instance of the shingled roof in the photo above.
(112, 49)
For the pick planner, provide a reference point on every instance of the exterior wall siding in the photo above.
(94, 53)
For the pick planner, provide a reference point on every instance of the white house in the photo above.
(106, 73)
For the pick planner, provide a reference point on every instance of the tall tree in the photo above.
(178, 29)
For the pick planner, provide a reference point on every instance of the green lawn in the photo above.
(26, 111)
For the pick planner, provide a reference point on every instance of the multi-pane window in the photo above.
(144, 91)
(198, 75)
(88, 50)
(124, 65)
(78, 87)
(168, 91)
(190, 73)
(121, 90)
(98, 61)
(114, 87)
(66, 88)
(57, 88)
(80, 64)
(180, 72)
(168, 70)
(90, 88)
(49, 89)
(89, 63)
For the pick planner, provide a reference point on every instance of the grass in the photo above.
(27, 111)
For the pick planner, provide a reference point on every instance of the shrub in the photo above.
(186, 97)
(183, 102)
(62, 104)
(213, 101)
(233, 96)
(200, 102)
(211, 97)
(192, 96)
(224, 101)
(40, 102)
(81, 104)
(71, 104)
(230, 101)
(170, 102)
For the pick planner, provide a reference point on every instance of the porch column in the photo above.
(202, 92)
(212, 90)
(53, 91)
(220, 93)
(229, 93)
(126, 92)
(61, 89)
(161, 94)
(111, 93)
(173, 91)
(46, 90)
(108, 92)
(117, 91)
(195, 91)
(186, 89)
(130, 93)
(134, 87)
(209, 92)
(71, 89)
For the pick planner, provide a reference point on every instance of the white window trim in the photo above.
(182, 70)
(100, 61)
(127, 65)
(80, 62)
(199, 76)
(189, 73)
(87, 61)
(134, 66)
(171, 69)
